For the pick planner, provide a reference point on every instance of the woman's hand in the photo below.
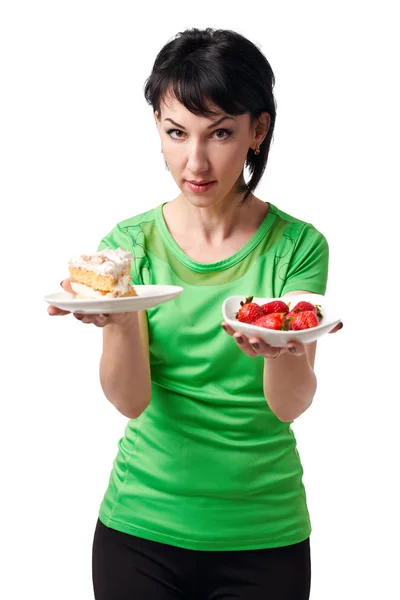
(57, 312)
(98, 320)
(254, 346)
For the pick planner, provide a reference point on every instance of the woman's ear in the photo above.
(261, 127)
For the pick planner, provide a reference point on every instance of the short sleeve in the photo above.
(308, 267)
(132, 240)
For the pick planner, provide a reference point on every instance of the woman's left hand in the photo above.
(254, 346)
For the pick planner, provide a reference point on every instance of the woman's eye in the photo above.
(222, 134)
(175, 134)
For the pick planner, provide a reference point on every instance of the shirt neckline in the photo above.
(239, 255)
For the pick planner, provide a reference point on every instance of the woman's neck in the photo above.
(215, 224)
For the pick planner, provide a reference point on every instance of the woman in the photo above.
(205, 499)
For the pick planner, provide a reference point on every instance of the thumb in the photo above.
(295, 348)
(337, 328)
(66, 285)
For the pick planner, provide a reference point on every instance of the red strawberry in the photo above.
(303, 320)
(303, 305)
(249, 311)
(272, 321)
(276, 306)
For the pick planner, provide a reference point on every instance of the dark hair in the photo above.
(223, 67)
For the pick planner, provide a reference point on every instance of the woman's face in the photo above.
(206, 156)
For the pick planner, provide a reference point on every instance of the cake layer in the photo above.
(85, 292)
(102, 283)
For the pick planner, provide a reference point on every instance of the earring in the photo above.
(257, 150)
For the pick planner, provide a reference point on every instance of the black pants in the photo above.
(126, 567)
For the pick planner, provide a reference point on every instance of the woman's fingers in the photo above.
(98, 320)
(101, 320)
(252, 347)
(256, 347)
(56, 312)
(295, 348)
(227, 328)
(244, 344)
(337, 328)
(66, 285)
(267, 351)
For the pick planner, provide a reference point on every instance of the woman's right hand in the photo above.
(98, 320)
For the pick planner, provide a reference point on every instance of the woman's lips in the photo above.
(198, 188)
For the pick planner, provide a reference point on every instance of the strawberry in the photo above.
(303, 306)
(249, 311)
(272, 321)
(276, 306)
(304, 319)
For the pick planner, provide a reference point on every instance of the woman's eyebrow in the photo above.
(209, 127)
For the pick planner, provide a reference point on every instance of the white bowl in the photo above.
(279, 339)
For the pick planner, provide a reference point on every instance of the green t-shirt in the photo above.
(208, 465)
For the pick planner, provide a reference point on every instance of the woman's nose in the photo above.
(197, 160)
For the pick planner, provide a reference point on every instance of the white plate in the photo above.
(148, 296)
(279, 339)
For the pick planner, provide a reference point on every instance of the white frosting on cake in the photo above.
(106, 262)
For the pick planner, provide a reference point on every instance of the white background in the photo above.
(79, 152)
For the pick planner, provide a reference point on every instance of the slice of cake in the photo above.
(105, 274)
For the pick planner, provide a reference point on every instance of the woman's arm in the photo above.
(289, 380)
(290, 383)
(124, 365)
